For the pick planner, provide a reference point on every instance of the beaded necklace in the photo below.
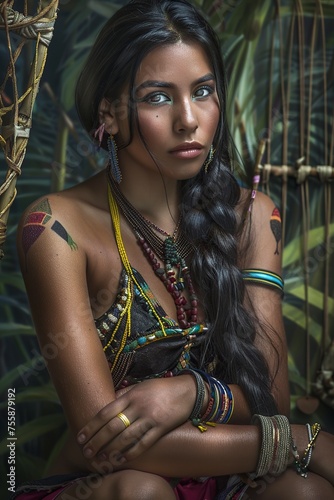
(146, 228)
(172, 251)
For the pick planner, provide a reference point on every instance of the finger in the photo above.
(107, 413)
(132, 442)
(123, 391)
(140, 443)
(107, 434)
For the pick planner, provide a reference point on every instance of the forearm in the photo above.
(221, 450)
(151, 443)
(241, 413)
(225, 450)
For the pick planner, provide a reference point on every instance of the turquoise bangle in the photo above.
(263, 277)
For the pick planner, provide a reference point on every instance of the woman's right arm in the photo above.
(52, 241)
(53, 261)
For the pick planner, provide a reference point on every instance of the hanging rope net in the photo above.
(16, 107)
(280, 57)
(303, 46)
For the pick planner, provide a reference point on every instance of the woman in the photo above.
(161, 266)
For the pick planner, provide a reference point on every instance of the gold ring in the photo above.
(124, 419)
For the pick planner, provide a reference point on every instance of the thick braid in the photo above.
(209, 203)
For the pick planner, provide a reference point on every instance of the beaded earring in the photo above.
(209, 159)
(114, 164)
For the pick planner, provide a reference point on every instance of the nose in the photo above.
(185, 117)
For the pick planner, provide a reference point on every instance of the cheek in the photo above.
(153, 125)
(212, 121)
(208, 115)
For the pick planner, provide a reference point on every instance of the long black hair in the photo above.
(209, 201)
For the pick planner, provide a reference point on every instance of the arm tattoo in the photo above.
(61, 231)
(276, 227)
(35, 223)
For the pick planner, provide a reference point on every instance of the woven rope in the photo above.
(303, 172)
(325, 172)
(15, 134)
(44, 27)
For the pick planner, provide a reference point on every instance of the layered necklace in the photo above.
(171, 249)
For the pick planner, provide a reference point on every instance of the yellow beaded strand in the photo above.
(117, 228)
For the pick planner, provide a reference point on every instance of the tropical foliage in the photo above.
(280, 64)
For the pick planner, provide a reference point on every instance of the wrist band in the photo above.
(275, 446)
(200, 393)
(221, 402)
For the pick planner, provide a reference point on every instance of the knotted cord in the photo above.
(16, 118)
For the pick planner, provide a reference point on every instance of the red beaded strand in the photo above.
(172, 251)
(186, 316)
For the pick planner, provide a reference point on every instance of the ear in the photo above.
(107, 116)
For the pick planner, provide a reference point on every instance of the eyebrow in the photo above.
(162, 84)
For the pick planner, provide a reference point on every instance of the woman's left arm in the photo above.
(261, 249)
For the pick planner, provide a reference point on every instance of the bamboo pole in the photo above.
(14, 133)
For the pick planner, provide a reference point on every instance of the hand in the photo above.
(322, 454)
(153, 407)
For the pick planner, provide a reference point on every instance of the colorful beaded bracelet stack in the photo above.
(301, 464)
(221, 401)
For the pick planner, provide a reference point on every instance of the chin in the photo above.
(186, 173)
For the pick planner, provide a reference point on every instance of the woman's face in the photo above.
(178, 112)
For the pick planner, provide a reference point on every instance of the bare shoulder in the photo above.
(260, 243)
(258, 206)
(62, 218)
(262, 207)
(47, 213)
(79, 200)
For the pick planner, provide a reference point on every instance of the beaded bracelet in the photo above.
(275, 447)
(200, 393)
(221, 403)
(283, 435)
(301, 464)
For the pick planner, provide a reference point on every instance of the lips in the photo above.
(187, 150)
(186, 146)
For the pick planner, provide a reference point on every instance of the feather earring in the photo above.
(98, 134)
